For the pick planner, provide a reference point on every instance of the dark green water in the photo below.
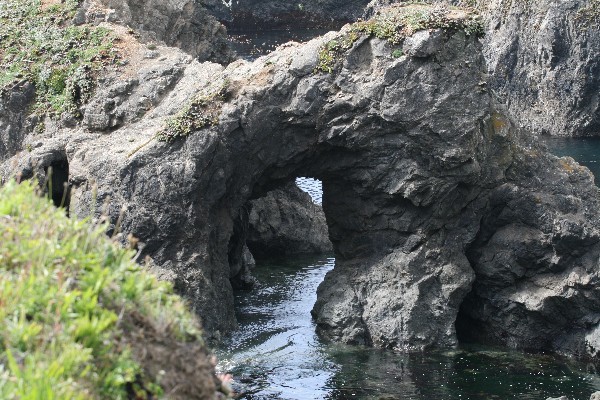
(275, 354)
(250, 45)
(586, 151)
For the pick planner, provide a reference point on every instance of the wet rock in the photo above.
(435, 201)
(595, 396)
(287, 223)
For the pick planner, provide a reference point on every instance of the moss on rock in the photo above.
(395, 24)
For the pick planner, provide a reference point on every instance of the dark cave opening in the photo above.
(57, 176)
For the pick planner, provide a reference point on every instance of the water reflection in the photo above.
(275, 354)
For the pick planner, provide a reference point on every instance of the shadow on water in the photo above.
(276, 354)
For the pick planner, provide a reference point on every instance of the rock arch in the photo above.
(421, 172)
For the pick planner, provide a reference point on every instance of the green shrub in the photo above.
(39, 44)
(80, 320)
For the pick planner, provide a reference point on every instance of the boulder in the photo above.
(287, 223)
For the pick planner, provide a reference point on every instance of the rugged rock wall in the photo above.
(544, 61)
(286, 223)
(431, 195)
(14, 121)
(278, 14)
(185, 24)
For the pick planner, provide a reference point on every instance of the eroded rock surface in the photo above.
(185, 24)
(431, 194)
(286, 223)
(544, 61)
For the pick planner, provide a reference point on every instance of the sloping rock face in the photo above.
(278, 14)
(286, 223)
(544, 61)
(432, 196)
(14, 122)
(185, 24)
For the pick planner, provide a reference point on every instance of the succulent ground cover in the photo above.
(40, 44)
(80, 320)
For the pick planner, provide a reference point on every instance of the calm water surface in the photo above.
(250, 45)
(586, 151)
(275, 354)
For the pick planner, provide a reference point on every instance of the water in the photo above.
(275, 354)
(313, 187)
(586, 151)
(250, 45)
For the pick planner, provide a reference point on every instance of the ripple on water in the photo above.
(275, 354)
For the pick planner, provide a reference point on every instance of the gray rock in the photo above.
(438, 207)
(286, 223)
(543, 57)
(181, 23)
(424, 43)
(558, 398)
(15, 122)
(595, 396)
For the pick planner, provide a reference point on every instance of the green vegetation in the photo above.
(201, 112)
(39, 44)
(397, 23)
(79, 319)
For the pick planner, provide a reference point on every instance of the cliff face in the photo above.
(544, 61)
(544, 57)
(185, 24)
(286, 223)
(425, 179)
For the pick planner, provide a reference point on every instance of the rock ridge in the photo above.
(425, 179)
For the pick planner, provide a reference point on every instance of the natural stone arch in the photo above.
(415, 163)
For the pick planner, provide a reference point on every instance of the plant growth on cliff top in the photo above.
(397, 23)
(79, 319)
(201, 112)
(39, 44)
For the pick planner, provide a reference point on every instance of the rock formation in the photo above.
(544, 61)
(185, 24)
(435, 201)
(286, 223)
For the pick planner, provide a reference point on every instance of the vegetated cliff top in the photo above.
(39, 44)
(81, 320)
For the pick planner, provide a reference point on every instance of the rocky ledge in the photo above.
(441, 212)
(543, 57)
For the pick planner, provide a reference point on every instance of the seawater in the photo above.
(276, 354)
(249, 45)
(586, 151)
